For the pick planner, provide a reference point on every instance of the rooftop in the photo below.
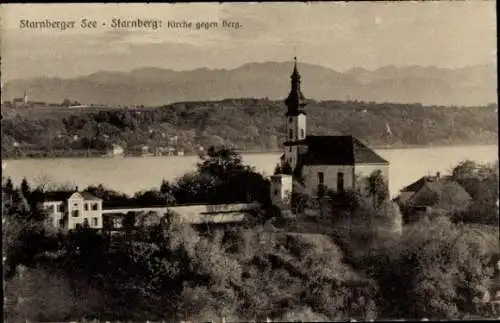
(430, 190)
(56, 196)
(89, 197)
(433, 181)
(338, 150)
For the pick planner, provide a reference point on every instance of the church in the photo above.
(314, 164)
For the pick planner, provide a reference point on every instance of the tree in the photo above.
(8, 193)
(46, 296)
(481, 182)
(104, 193)
(167, 190)
(436, 269)
(151, 197)
(128, 222)
(466, 174)
(21, 206)
(148, 219)
(286, 168)
(465, 169)
(165, 186)
(452, 198)
(66, 103)
(221, 162)
(9, 186)
(25, 188)
(377, 188)
(389, 218)
(277, 169)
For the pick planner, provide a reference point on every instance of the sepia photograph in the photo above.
(250, 162)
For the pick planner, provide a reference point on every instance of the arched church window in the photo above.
(276, 192)
(290, 119)
(291, 134)
(302, 133)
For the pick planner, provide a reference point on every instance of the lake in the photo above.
(132, 174)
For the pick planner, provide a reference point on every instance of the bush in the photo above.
(436, 270)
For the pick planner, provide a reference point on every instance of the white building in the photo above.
(71, 210)
(320, 163)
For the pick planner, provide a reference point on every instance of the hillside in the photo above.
(468, 86)
(248, 124)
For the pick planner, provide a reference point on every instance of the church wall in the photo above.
(311, 179)
(291, 155)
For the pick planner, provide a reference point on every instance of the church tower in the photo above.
(295, 119)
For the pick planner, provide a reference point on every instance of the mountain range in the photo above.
(467, 86)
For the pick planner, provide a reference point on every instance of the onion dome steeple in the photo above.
(295, 100)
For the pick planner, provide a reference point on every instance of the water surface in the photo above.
(132, 174)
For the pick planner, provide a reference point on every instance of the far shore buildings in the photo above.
(319, 163)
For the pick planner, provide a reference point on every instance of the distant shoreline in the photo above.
(256, 151)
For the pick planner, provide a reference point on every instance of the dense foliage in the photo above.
(354, 259)
(469, 194)
(248, 124)
(481, 182)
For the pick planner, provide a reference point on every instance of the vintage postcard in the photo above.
(237, 162)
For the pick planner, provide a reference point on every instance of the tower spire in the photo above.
(295, 100)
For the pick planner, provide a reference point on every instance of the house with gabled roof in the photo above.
(320, 163)
(434, 193)
(70, 210)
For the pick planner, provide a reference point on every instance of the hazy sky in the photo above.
(336, 35)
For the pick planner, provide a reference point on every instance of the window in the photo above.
(321, 186)
(302, 133)
(290, 119)
(94, 221)
(291, 134)
(86, 206)
(95, 206)
(340, 182)
(60, 208)
(85, 223)
(50, 208)
(276, 192)
(75, 213)
(321, 178)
